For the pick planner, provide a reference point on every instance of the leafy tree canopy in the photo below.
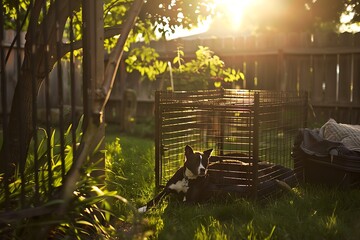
(163, 15)
(50, 24)
(193, 74)
(353, 8)
(196, 73)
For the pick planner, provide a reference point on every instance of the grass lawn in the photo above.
(310, 212)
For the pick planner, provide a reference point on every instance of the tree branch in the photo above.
(116, 54)
(14, 216)
(112, 31)
(108, 33)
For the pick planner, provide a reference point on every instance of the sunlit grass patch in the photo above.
(308, 212)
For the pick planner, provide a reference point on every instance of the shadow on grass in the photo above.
(313, 212)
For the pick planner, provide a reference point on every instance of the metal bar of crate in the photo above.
(158, 161)
(255, 144)
(244, 122)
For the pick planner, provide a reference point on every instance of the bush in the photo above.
(90, 213)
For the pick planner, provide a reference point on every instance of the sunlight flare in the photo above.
(233, 10)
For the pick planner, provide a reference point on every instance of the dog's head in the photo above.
(196, 163)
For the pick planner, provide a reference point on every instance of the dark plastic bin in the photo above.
(337, 171)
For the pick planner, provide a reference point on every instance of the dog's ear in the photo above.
(188, 150)
(208, 152)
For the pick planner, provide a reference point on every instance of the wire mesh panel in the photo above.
(242, 125)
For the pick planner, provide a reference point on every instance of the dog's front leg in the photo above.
(154, 201)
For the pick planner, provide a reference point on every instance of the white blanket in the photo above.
(347, 134)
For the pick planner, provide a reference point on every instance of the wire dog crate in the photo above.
(251, 133)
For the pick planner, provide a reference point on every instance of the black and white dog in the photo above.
(189, 180)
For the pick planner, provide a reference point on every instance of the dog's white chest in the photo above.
(180, 186)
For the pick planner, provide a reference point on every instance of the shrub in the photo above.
(33, 203)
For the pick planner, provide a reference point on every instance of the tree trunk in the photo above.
(39, 59)
(20, 124)
(88, 143)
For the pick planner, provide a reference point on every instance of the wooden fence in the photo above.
(11, 70)
(327, 65)
(324, 64)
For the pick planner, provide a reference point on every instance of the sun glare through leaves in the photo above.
(233, 10)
